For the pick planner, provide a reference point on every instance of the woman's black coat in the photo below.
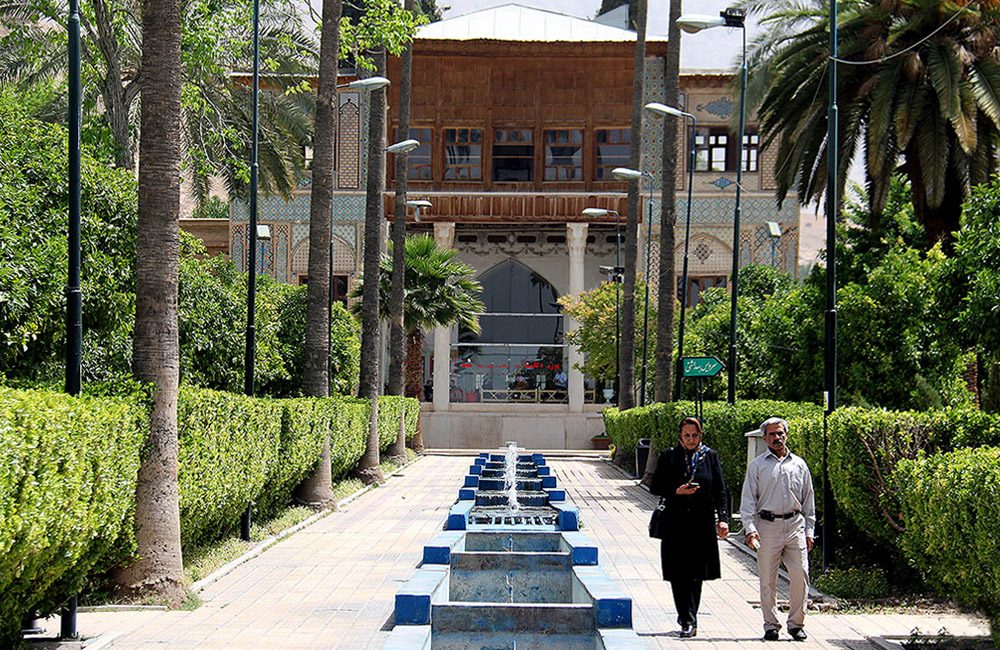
(689, 548)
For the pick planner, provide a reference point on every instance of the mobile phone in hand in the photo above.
(693, 484)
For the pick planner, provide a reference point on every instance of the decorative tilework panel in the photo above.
(281, 235)
(344, 260)
(652, 128)
(347, 232)
(238, 245)
(300, 258)
(300, 231)
(349, 157)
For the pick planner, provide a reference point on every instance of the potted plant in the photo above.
(601, 441)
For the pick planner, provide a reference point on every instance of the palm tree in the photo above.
(396, 343)
(626, 387)
(439, 292)
(215, 112)
(368, 467)
(315, 377)
(923, 98)
(156, 361)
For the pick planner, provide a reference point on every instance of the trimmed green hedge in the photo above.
(724, 426)
(867, 444)
(951, 511)
(67, 480)
(228, 446)
(67, 486)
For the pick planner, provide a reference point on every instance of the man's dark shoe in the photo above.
(798, 633)
(770, 635)
(688, 631)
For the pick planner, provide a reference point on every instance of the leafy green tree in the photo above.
(927, 93)
(976, 280)
(439, 291)
(212, 320)
(595, 311)
(33, 241)
(216, 103)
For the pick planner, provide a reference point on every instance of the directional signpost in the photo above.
(699, 368)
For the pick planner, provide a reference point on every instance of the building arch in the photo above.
(344, 260)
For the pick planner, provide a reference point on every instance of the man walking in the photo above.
(779, 513)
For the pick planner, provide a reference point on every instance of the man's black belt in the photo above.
(767, 515)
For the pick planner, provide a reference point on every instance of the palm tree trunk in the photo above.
(415, 378)
(663, 391)
(396, 334)
(368, 467)
(112, 92)
(317, 488)
(158, 569)
(626, 360)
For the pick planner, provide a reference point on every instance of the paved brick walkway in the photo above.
(332, 584)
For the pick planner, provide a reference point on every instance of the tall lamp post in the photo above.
(663, 110)
(830, 320)
(252, 235)
(626, 174)
(615, 274)
(360, 85)
(693, 23)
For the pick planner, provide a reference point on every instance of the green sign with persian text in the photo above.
(701, 366)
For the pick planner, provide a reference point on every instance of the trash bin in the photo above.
(642, 455)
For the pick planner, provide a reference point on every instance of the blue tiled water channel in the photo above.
(512, 578)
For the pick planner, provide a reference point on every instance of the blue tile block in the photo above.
(481, 460)
(544, 471)
(467, 494)
(556, 494)
(438, 550)
(585, 556)
(613, 612)
(471, 481)
(458, 517)
(548, 482)
(476, 469)
(539, 459)
(413, 609)
(568, 520)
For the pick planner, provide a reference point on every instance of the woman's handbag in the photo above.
(656, 518)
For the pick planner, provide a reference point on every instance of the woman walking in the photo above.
(689, 480)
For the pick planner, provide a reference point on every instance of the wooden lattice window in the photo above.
(611, 150)
(463, 154)
(564, 155)
(419, 163)
(513, 156)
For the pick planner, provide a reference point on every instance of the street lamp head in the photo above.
(694, 23)
(368, 84)
(773, 229)
(662, 110)
(403, 147)
(263, 232)
(734, 17)
(418, 203)
(626, 174)
(598, 212)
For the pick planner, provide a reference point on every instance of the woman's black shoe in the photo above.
(688, 631)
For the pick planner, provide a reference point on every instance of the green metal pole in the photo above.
(248, 372)
(684, 271)
(830, 347)
(736, 223)
(74, 297)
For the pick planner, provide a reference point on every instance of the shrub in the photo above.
(303, 428)
(861, 583)
(67, 488)
(228, 445)
(348, 421)
(951, 512)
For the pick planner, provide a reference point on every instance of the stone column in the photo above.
(444, 233)
(576, 241)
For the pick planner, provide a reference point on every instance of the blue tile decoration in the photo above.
(722, 107)
(722, 182)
